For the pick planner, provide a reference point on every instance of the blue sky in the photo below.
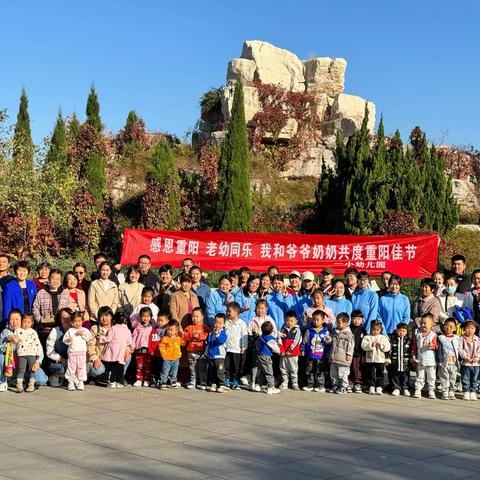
(418, 61)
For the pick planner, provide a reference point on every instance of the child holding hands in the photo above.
(469, 353)
(77, 338)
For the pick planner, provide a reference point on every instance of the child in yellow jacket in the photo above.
(171, 353)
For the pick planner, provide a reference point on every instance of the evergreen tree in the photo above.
(234, 197)
(22, 140)
(96, 179)
(93, 110)
(132, 119)
(58, 183)
(73, 127)
(160, 207)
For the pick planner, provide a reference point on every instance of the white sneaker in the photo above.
(473, 396)
(307, 389)
(406, 392)
(138, 383)
(396, 392)
(190, 386)
(466, 395)
(213, 388)
(252, 387)
(119, 385)
(283, 386)
(71, 387)
(371, 391)
(244, 381)
(431, 395)
(257, 388)
(379, 391)
(445, 395)
(112, 385)
(272, 390)
(316, 389)
(451, 395)
(417, 394)
(146, 383)
(80, 386)
(3, 387)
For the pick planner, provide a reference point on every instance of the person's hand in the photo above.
(302, 354)
(348, 358)
(97, 363)
(195, 336)
(36, 366)
(246, 308)
(288, 354)
(117, 267)
(14, 339)
(128, 354)
(63, 361)
(242, 351)
(283, 335)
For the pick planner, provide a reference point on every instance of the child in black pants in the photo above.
(401, 354)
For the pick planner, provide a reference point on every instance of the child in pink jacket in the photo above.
(141, 336)
(119, 343)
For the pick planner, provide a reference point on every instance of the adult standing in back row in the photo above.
(102, 292)
(365, 299)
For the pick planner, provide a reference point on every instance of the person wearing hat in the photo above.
(326, 284)
(308, 283)
(300, 300)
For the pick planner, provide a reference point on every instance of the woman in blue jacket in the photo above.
(338, 302)
(219, 299)
(20, 292)
(394, 307)
(247, 298)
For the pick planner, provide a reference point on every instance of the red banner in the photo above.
(411, 256)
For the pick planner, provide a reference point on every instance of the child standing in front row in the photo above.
(359, 332)
(216, 352)
(291, 341)
(29, 350)
(237, 343)
(448, 358)
(399, 369)
(315, 350)
(119, 341)
(469, 353)
(8, 341)
(77, 338)
(140, 338)
(375, 347)
(424, 348)
(341, 353)
(194, 337)
(267, 346)
(147, 301)
(154, 346)
(170, 351)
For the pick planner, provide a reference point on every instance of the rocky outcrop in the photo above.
(321, 78)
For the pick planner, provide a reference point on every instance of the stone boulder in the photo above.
(275, 65)
(466, 193)
(241, 69)
(251, 101)
(325, 75)
(348, 112)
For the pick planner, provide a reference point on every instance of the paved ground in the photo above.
(179, 434)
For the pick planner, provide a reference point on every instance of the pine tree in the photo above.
(96, 179)
(132, 119)
(160, 207)
(73, 127)
(93, 110)
(58, 183)
(22, 140)
(234, 205)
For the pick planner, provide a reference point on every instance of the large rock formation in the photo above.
(323, 78)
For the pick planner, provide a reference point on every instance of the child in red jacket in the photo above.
(194, 337)
(291, 339)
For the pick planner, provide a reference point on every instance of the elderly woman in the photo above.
(165, 287)
(183, 301)
(96, 346)
(56, 350)
(130, 292)
(20, 292)
(427, 302)
(73, 297)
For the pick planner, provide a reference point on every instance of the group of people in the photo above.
(267, 332)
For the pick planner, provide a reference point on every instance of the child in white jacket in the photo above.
(375, 346)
